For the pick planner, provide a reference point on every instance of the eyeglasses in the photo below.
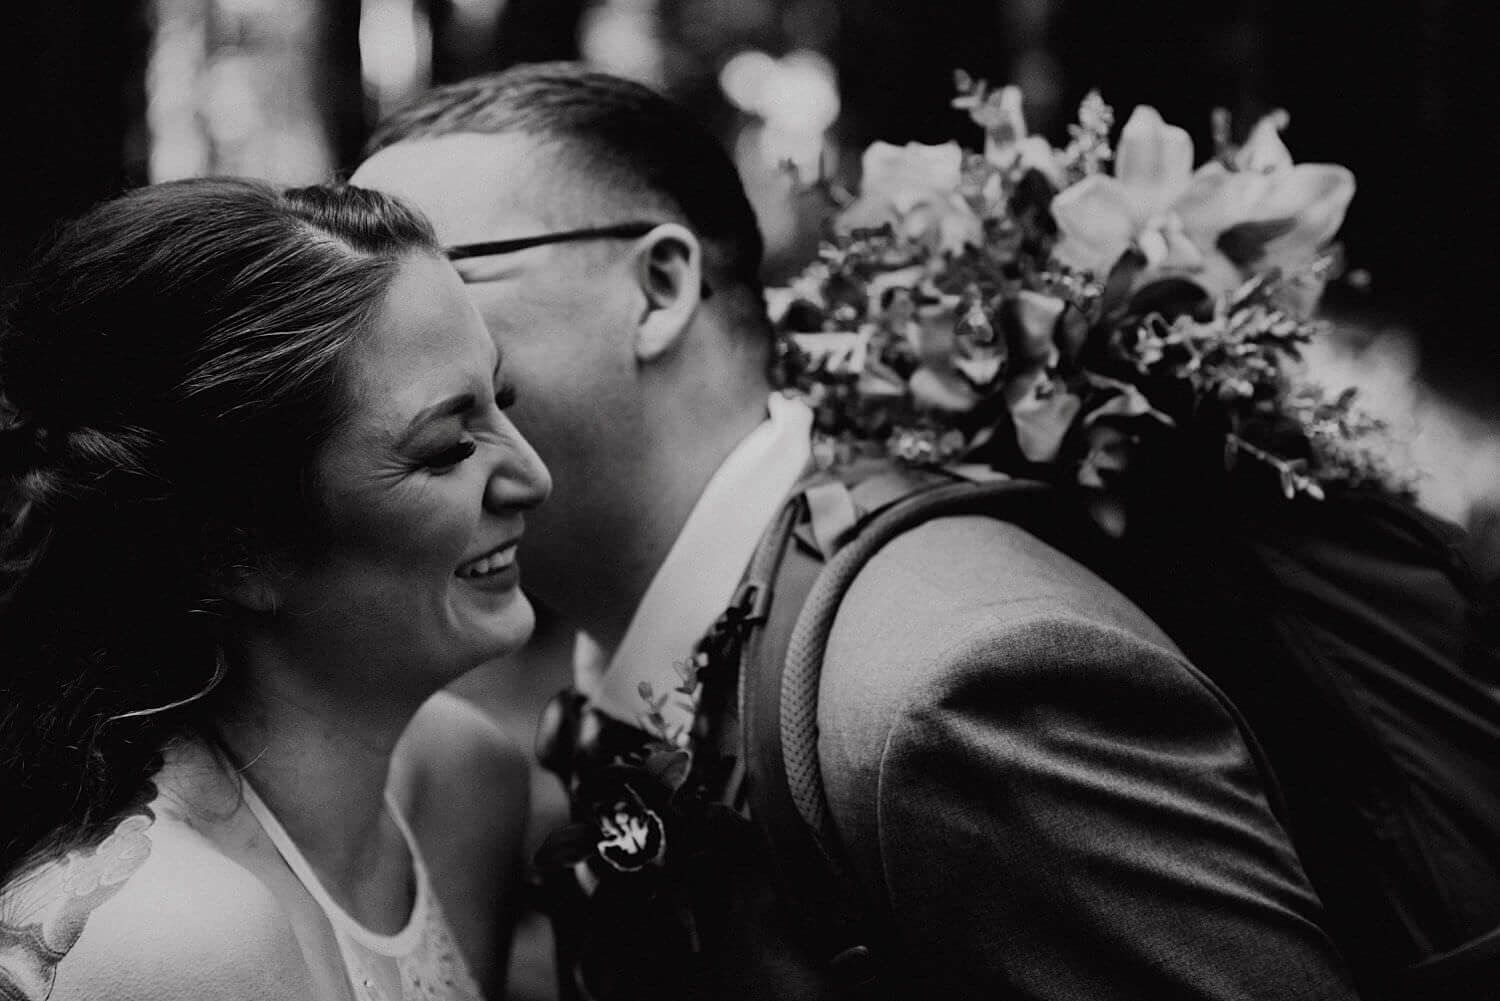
(618, 231)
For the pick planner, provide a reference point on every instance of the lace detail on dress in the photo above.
(362, 978)
(422, 960)
(435, 970)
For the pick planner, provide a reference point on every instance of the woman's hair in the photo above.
(170, 365)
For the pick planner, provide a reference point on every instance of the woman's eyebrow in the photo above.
(453, 406)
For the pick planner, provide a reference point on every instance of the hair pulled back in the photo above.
(169, 367)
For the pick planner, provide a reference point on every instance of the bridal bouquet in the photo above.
(1065, 313)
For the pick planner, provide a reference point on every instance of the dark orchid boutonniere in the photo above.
(653, 841)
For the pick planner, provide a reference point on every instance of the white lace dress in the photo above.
(421, 962)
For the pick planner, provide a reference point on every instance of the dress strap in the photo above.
(394, 945)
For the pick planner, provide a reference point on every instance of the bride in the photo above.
(262, 502)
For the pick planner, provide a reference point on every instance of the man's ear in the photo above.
(669, 268)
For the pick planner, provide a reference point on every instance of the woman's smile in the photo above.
(495, 570)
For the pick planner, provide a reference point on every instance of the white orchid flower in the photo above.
(1176, 216)
(1007, 144)
(914, 188)
(1264, 151)
(1101, 216)
(1288, 212)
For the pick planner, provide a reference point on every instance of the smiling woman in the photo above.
(424, 493)
(271, 429)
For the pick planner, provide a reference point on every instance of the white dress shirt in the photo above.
(698, 577)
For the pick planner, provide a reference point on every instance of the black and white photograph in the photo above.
(781, 500)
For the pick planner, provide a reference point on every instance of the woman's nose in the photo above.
(521, 479)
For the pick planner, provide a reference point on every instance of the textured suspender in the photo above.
(824, 536)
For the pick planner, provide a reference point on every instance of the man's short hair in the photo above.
(636, 144)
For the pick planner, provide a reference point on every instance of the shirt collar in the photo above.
(697, 579)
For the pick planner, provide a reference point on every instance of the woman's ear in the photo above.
(254, 593)
(669, 269)
(241, 572)
(250, 586)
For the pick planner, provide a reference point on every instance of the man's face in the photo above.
(562, 315)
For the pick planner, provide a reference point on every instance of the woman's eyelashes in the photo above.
(441, 462)
(448, 458)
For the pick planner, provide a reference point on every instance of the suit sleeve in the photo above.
(1067, 811)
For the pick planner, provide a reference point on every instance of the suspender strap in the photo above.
(820, 514)
(824, 536)
(1022, 502)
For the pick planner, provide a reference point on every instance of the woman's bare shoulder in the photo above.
(151, 911)
(465, 785)
(454, 757)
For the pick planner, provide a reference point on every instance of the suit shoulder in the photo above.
(979, 563)
(880, 669)
(972, 608)
(152, 911)
(932, 595)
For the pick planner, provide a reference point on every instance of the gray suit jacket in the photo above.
(1044, 797)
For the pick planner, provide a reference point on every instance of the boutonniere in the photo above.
(653, 852)
(626, 805)
(636, 783)
(655, 845)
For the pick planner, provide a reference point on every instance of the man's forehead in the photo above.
(474, 187)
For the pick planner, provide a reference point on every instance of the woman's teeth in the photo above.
(492, 563)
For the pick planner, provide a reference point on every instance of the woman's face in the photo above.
(424, 488)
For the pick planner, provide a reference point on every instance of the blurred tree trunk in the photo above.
(532, 31)
(464, 39)
(74, 71)
(896, 60)
(347, 113)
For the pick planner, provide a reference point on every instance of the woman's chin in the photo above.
(507, 628)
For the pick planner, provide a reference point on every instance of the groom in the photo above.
(1042, 799)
